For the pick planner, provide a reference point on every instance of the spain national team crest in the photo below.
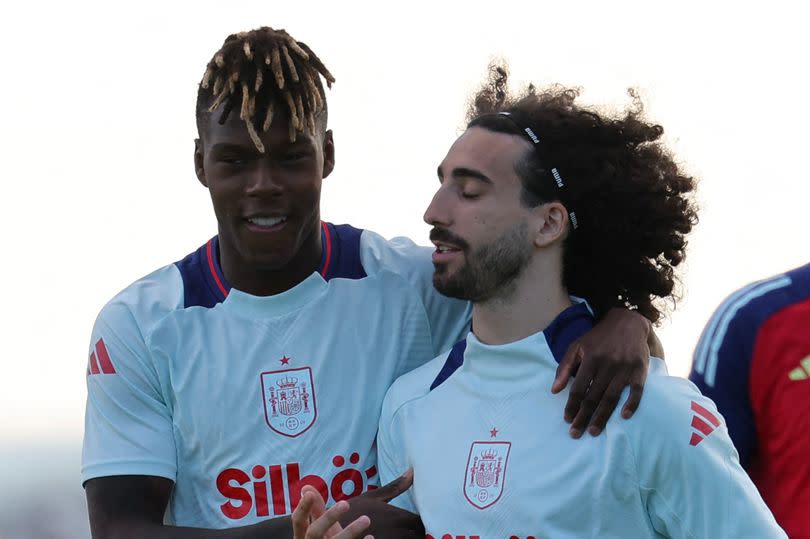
(486, 472)
(289, 400)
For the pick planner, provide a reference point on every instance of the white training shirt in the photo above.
(243, 400)
(493, 459)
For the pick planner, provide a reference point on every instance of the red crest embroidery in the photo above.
(289, 400)
(486, 473)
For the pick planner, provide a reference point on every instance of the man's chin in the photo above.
(274, 261)
(447, 286)
(267, 253)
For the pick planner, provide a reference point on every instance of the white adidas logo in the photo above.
(802, 372)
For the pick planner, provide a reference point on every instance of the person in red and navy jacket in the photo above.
(753, 360)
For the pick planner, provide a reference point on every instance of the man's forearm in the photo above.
(277, 528)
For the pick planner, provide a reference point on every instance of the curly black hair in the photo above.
(633, 205)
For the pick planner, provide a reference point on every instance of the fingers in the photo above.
(319, 527)
(318, 509)
(566, 368)
(358, 526)
(300, 517)
(605, 408)
(588, 397)
(578, 392)
(636, 391)
(311, 519)
(318, 506)
(393, 489)
(327, 526)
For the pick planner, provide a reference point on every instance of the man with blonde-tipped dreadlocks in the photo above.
(302, 94)
(223, 384)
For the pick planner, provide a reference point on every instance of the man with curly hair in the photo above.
(541, 199)
(222, 384)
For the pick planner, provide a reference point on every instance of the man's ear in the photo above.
(328, 153)
(552, 223)
(199, 169)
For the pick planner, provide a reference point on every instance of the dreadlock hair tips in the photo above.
(268, 117)
(245, 110)
(258, 71)
(259, 79)
(277, 68)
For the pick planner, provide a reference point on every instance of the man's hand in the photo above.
(387, 521)
(311, 519)
(614, 354)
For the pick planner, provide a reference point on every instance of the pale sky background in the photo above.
(97, 138)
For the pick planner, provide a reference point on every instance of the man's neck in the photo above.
(253, 279)
(532, 302)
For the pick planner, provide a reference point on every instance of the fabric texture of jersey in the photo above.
(493, 459)
(753, 360)
(243, 400)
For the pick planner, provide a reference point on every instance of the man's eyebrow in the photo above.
(464, 172)
(299, 141)
(228, 146)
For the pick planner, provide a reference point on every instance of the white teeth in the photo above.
(443, 249)
(267, 221)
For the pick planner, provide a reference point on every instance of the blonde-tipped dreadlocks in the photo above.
(263, 68)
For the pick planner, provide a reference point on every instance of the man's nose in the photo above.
(263, 181)
(438, 211)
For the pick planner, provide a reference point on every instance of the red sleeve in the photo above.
(780, 397)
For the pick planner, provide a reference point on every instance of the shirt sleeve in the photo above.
(721, 370)
(689, 472)
(780, 396)
(390, 451)
(449, 318)
(128, 426)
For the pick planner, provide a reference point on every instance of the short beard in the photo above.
(490, 271)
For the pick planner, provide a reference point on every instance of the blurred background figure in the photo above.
(753, 360)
